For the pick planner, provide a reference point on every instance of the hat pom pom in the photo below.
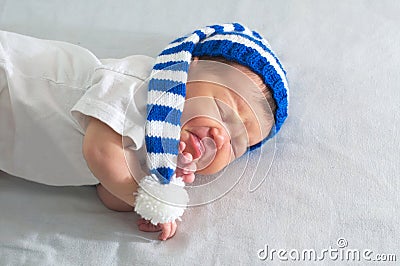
(161, 203)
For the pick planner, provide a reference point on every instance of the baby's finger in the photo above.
(173, 229)
(188, 157)
(188, 178)
(166, 229)
(184, 159)
(190, 168)
(149, 227)
(142, 221)
(182, 146)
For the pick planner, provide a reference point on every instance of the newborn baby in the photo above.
(69, 118)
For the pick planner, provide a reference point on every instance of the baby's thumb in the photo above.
(184, 159)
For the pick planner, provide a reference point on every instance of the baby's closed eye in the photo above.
(227, 113)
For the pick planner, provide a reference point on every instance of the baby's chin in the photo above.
(208, 171)
(213, 168)
(219, 161)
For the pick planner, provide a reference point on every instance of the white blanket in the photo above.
(333, 180)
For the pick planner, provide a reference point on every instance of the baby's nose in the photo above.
(219, 137)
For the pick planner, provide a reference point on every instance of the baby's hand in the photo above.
(168, 229)
(186, 167)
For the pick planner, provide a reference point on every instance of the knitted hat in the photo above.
(167, 91)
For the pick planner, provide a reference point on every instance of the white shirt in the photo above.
(47, 91)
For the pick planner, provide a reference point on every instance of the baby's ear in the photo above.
(195, 59)
(194, 62)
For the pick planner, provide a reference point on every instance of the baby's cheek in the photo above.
(223, 157)
(184, 136)
(201, 109)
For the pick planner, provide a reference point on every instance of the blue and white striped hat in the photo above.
(167, 86)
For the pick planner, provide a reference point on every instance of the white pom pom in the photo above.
(161, 203)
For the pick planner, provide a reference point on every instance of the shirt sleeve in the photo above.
(117, 97)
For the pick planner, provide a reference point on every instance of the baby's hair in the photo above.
(265, 89)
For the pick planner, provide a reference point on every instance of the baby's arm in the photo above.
(111, 201)
(104, 155)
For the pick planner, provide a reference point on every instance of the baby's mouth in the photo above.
(198, 146)
(204, 150)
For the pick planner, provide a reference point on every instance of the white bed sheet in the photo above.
(335, 171)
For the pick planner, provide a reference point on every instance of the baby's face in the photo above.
(220, 120)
